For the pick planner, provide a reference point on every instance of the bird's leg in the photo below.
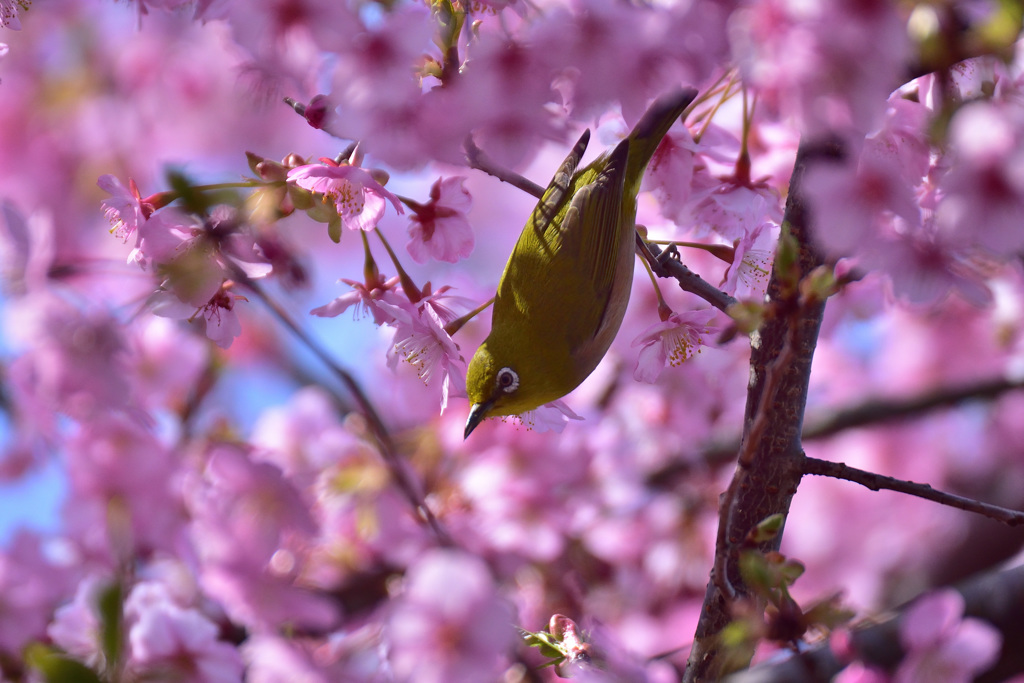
(456, 325)
(655, 257)
(671, 253)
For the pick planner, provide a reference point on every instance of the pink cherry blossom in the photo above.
(439, 228)
(123, 501)
(672, 342)
(734, 209)
(752, 262)
(822, 78)
(853, 203)
(77, 361)
(358, 198)
(902, 140)
(421, 341)
(123, 209)
(9, 10)
(232, 519)
(27, 250)
(76, 626)
(33, 586)
(362, 299)
(220, 320)
(550, 417)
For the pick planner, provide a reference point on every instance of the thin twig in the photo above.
(886, 410)
(405, 481)
(478, 160)
(874, 411)
(876, 482)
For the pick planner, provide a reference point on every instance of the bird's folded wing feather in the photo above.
(553, 200)
(592, 233)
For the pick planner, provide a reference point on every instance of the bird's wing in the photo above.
(553, 200)
(592, 230)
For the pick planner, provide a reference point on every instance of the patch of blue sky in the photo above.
(33, 502)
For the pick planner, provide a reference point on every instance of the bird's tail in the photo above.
(650, 129)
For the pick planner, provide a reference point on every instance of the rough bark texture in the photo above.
(765, 483)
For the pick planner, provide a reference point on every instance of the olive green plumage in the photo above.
(564, 291)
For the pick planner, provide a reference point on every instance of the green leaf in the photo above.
(767, 529)
(59, 668)
(787, 256)
(111, 601)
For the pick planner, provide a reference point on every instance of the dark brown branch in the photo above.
(866, 414)
(478, 160)
(887, 410)
(774, 377)
(997, 597)
(877, 482)
(767, 484)
(687, 279)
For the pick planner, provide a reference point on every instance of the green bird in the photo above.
(564, 291)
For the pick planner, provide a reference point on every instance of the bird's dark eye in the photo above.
(508, 380)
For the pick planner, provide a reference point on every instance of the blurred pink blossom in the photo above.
(76, 626)
(77, 360)
(171, 640)
(853, 203)
(251, 530)
(439, 228)
(809, 63)
(118, 469)
(984, 191)
(32, 585)
(942, 645)
(449, 624)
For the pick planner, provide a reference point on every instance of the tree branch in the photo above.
(887, 410)
(687, 279)
(871, 412)
(478, 160)
(876, 482)
(766, 484)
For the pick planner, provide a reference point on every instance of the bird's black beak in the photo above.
(477, 412)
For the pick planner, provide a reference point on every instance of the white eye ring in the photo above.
(508, 380)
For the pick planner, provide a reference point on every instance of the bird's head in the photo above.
(499, 382)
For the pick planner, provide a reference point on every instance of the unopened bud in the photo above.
(253, 161)
(380, 175)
